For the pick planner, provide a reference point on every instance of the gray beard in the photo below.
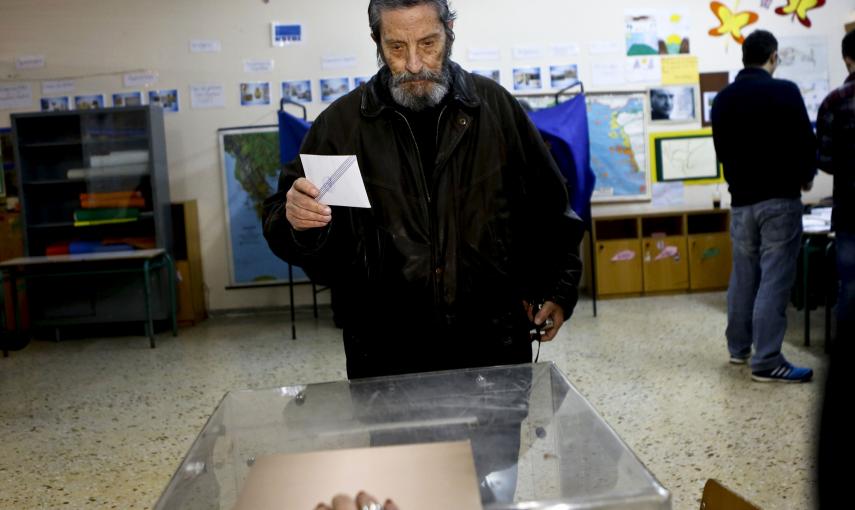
(437, 89)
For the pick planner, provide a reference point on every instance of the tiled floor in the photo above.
(104, 422)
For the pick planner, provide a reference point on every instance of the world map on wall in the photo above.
(618, 146)
(251, 165)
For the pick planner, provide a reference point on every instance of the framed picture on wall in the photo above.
(685, 156)
(285, 34)
(673, 103)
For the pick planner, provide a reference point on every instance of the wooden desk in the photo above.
(89, 264)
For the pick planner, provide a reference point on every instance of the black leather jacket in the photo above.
(433, 275)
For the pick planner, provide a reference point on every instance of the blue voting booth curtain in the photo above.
(565, 128)
(292, 130)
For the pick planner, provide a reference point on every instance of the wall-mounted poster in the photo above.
(687, 156)
(166, 99)
(55, 104)
(249, 159)
(527, 78)
(334, 88)
(563, 76)
(298, 91)
(360, 80)
(285, 34)
(121, 99)
(674, 103)
(618, 140)
(711, 85)
(255, 93)
(88, 102)
(657, 31)
(493, 74)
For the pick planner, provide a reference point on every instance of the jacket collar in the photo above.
(753, 73)
(850, 79)
(376, 97)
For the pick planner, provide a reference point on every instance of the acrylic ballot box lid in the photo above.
(536, 442)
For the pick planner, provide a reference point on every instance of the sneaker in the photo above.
(739, 360)
(783, 373)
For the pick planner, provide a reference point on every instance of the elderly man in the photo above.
(661, 104)
(469, 224)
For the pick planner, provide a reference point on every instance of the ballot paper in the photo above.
(416, 477)
(338, 178)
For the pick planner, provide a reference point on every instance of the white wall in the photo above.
(97, 41)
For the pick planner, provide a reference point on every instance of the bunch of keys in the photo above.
(536, 332)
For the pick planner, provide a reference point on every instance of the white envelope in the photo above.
(340, 183)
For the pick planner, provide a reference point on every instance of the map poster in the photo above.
(249, 158)
(618, 146)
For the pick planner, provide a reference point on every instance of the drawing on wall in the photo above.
(89, 102)
(618, 142)
(334, 88)
(804, 61)
(493, 74)
(255, 93)
(360, 80)
(166, 99)
(799, 9)
(121, 99)
(731, 23)
(527, 78)
(687, 156)
(298, 91)
(563, 76)
(249, 158)
(55, 104)
(657, 32)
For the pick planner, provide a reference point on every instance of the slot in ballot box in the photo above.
(536, 442)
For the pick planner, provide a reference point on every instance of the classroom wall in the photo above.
(96, 43)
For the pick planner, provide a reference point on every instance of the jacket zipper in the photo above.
(433, 275)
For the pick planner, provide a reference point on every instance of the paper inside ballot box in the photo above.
(415, 477)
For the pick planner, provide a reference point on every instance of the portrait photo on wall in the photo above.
(673, 103)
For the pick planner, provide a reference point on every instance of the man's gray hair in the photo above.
(376, 8)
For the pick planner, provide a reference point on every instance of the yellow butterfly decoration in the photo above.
(800, 8)
(732, 22)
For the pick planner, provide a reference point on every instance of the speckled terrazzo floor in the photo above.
(104, 422)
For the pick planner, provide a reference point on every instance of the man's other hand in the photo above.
(301, 209)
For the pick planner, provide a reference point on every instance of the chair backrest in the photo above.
(718, 497)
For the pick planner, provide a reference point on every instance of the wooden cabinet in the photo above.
(673, 252)
(618, 253)
(710, 256)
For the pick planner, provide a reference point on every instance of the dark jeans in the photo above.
(766, 238)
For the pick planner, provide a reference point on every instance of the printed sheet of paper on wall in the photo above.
(415, 477)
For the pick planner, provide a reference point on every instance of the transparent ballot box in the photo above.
(536, 442)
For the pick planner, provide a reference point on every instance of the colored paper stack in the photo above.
(112, 200)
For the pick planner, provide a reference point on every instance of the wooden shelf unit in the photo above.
(673, 251)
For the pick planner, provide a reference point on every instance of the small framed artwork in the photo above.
(360, 80)
(55, 104)
(122, 99)
(685, 156)
(563, 76)
(89, 102)
(673, 103)
(527, 78)
(255, 93)
(285, 34)
(166, 99)
(297, 91)
(334, 88)
(493, 74)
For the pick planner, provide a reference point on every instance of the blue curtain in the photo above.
(565, 128)
(292, 130)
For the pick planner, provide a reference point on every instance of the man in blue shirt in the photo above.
(765, 141)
